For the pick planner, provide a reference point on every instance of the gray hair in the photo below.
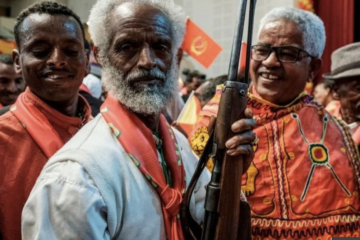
(309, 24)
(100, 17)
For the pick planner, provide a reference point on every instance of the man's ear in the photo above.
(315, 66)
(96, 55)
(16, 60)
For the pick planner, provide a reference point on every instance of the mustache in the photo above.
(143, 73)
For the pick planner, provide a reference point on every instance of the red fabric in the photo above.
(84, 88)
(298, 145)
(336, 15)
(21, 157)
(1, 106)
(138, 142)
(333, 108)
(199, 45)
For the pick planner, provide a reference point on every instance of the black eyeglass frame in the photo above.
(276, 49)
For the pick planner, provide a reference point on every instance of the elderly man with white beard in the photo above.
(122, 176)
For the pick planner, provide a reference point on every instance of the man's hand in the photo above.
(241, 143)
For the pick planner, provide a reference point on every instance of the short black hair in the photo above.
(45, 7)
(6, 59)
(209, 90)
(191, 74)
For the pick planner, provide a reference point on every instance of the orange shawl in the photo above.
(38, 126)
(138, 142)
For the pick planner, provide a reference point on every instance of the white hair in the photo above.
(311, 26)
(100, 17)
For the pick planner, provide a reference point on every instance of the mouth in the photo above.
(56, 77)
(269, 76)
(146, 80)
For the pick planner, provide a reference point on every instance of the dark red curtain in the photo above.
(338, 17)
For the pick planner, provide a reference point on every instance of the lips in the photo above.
(145, 80)
(53, 77)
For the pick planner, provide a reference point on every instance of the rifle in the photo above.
(222, 204)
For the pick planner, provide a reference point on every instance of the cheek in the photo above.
(164, 61)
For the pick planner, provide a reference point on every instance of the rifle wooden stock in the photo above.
(222, 204)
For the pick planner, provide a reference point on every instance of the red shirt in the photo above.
(21, 160)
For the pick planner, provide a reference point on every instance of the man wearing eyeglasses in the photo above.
(304, 180)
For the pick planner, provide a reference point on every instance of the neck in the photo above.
(68, 107)
(151, 121)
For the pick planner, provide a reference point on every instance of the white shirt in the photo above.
(91, 189)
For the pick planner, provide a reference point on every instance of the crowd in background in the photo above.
(303, 179)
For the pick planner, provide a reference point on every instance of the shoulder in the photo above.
(10, 126)
(91, 134)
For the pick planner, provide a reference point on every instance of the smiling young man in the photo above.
(52, 60)
(11, 83)
(303, 182)
(122, 176)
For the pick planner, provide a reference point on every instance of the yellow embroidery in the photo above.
(251, 173)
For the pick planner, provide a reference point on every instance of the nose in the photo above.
(146, 58)
(272, 60)
(57, 59)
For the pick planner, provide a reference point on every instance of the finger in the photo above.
(245, 150)
(248, 113)
(243, 125)
(241, 139)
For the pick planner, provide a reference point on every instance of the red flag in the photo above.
(199, 45)
(242, 59)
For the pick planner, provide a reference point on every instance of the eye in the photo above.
(4, 80)
(40, 52)
(128, 47)
(161, 47)
(262, 51)
(289, 53)
(71, 52)
(19, 80)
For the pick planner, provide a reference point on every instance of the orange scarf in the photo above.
(138, 142)
(37, 125)
(84, 88)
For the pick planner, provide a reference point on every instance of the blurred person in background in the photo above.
(193, 80)
(325, 95)
(345, 72)
(11, 82)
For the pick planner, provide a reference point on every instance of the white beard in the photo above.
(142, 99)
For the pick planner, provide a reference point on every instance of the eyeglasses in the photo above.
(284, 54)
